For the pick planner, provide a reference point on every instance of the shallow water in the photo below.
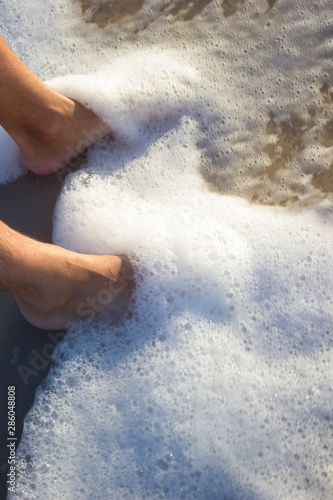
(218, 184)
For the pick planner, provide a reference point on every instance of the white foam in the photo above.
(239, 94)
(11, 167)
(220, 377)
(133, 92)
(219, 384)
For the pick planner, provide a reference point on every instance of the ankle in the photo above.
(45, 127)
(17, 276)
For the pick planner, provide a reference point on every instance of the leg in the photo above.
(49, 128)
(54, 286)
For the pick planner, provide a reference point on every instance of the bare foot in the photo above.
(50, 129)
(66, 131)
(58, 286)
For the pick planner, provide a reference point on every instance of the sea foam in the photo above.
(218, 382)
(11, 166)
(219, 377)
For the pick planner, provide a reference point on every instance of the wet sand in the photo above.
(288, 180)
(26, 205)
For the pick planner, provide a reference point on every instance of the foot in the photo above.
(50, 129)
(66, 130)
(59, 287)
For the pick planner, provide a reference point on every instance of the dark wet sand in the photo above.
(26, 205)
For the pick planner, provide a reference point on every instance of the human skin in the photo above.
(49, 128)
(51, 284)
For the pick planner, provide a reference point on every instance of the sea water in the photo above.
(217, 182)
